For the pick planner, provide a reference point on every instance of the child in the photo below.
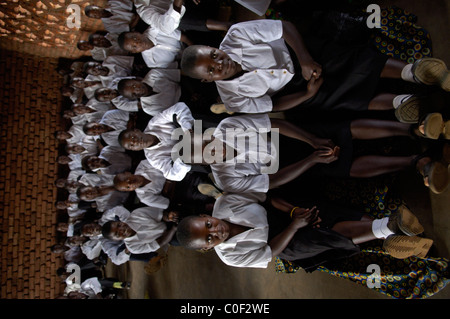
(158, 49)
(117, 17)
(256, 73)
(157, 143)
(143, 231)
(332, 145)
(157, 91)
(240, 233)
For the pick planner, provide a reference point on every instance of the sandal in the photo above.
(219, 108)
(402, 247)
(409, 109)
(431, 71)
(209, 190)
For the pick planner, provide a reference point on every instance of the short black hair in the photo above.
(106, 229)
(121, 40)
(121, 87)
(184, 234)
(188, 61)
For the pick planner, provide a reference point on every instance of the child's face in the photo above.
(136, 42)
(85, 45)
(127, 182)
(213, 64)
(96, 68)
(89, 193)
(134, 141)
(99, 40)
(106, 94)
(120, 231)
(95, 129)
(134, 89)
(208, 231)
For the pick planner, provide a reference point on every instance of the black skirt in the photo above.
(313, 247)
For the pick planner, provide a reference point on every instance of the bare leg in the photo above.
(367, 129)
(358, 231)
(382, 102)
(374, 165)
(393, 69)
(216, 25)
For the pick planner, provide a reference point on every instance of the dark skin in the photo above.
(136, 140)
(135, 89)
(127, 181)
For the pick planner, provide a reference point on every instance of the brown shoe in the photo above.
(402, 247)
(431, 71)
(405, 221)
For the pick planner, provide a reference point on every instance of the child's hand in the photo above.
(326, 156)
(311, 70)
(322, 143)
(313, 86)
(302, 217)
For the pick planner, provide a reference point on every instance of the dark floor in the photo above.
(190, 275)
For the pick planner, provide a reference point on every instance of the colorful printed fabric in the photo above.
(408, 278)
(400, 37)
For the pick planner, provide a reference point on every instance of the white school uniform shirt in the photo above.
(250, 248)
(247, 171)
(150, 194)
(108, 246)
(160, 14)
(99, 106)
(148, 225)
(162, 126)
(166, 85)
(110, 200)
(119, 160)
(87, 117)
(258, 7)
(122, 16)
(92, 179)
(117, 119)
(260, 49)
(75, 163)
(77, 134)
(167, 50)
(77, 95)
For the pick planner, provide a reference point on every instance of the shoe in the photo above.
(402, 247)
(209, 190)
(436, 176)
(219, 108)
(431, 71)
(434, 126)
(405, 221)
(409, 110)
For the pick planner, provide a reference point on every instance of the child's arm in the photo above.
(291, 172)
(287, 102)
(295, 41)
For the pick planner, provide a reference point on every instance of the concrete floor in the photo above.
(191, 275)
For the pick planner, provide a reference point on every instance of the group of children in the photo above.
(150, 97)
